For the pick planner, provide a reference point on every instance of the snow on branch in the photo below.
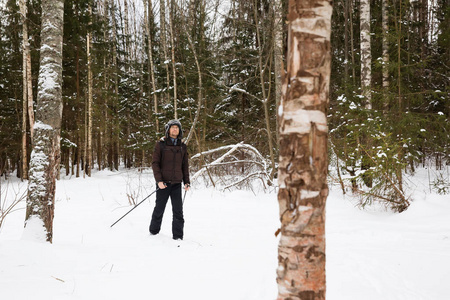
(231, 166)
(235, 88)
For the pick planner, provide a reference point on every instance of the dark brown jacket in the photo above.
(170, 163)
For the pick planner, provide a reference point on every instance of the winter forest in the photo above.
(298, 100)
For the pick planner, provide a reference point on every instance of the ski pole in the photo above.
(135, 207)
(185, 191)
(184, 197)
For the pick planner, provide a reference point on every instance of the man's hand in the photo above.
(187, 187)
(161, 185)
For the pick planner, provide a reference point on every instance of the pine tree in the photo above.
(10, 88)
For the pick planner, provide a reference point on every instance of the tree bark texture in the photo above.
(278, 53)
(303, 161)
(23, 12)
(45, 157)
(366, 56)
(27, 105)
(385, 48)
(385, 28)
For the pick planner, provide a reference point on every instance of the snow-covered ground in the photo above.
(229, 251)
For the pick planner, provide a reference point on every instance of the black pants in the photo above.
(162, 195)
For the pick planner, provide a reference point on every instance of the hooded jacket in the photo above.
(171, 162)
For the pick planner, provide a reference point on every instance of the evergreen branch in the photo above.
(387, 177)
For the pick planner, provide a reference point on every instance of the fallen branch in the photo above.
(241, 160)
(244, 179)
(199, 172)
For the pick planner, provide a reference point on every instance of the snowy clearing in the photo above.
(229, 251)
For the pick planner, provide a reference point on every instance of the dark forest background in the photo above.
(224, 58)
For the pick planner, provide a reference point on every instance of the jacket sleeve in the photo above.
(156, 163)
(185, 166)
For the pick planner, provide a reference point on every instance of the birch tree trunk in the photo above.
(30, 91)
(302, 172)
(45, 157)
(278, 53)
(366, 56)
(88, 162)
(151, 70)
(385, 48)
(24, 158)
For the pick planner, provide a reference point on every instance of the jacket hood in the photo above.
(173, 122)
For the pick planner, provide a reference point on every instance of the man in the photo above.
(170, 168)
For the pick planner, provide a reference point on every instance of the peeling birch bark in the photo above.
(303, 159)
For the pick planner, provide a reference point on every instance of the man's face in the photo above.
(174, 131)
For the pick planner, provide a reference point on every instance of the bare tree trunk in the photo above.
(351, 42)
(103, 123)
(385, 46)
(128, 58)
(398, 28)
(366, 56)
(103, 128)
(162, 18)
(114, 148)
(88, 162)
(27, 57)
(78, 117)
(265, 100)
(30, 92)
(45, 157)
(127, 34)
(24, 156)
(25, 49)
(278, 54)
(151, 69)
(346, 30)
(27, 105)
(200, 83)
(134, 45)
(174, 69)
(303, 152)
